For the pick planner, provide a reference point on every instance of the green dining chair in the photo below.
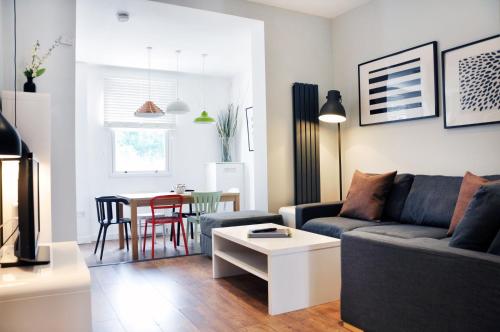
(204, 202)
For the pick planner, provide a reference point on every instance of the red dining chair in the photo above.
(163, 203)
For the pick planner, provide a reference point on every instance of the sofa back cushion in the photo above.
(431, 200)
(396, 200)
(481, 222)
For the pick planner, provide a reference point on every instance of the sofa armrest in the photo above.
(392, 284)
(306, 212)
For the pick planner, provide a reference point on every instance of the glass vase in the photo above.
(226, 149)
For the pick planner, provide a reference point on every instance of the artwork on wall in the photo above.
(249, 117)
(399, 87)
(471, 83)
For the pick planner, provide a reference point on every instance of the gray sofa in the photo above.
(399, 274)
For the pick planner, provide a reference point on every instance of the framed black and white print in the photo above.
(471, 83)
(399, 87)
(250, 130)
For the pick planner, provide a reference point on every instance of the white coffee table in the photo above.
(301, 271)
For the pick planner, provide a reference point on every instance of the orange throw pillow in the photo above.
(367, 195)
(470, 184)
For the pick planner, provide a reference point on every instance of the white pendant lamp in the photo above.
(149, 109)
(177, 106)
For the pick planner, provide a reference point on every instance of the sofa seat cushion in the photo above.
(407, 231)
(237, 218)
(335, 226)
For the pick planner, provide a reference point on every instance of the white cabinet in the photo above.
(53, 297)
(226, 177)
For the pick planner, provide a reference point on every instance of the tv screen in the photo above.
(29, 209)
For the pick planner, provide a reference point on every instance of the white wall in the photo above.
(298, 48)
(193, 145)
(242, 96)
(382, 27)
(45, 21)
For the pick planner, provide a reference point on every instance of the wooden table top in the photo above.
(142, 196)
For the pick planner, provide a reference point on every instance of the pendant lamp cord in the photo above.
(15, 65)
(204, 57)
(149, 72)
(178, 52)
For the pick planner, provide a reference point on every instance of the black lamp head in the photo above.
(333, 111)
(10, 141)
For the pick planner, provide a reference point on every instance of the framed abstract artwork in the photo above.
(471, 83)
(399, 87)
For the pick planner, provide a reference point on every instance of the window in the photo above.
(123, 96)
(140, 151)
(140, 145)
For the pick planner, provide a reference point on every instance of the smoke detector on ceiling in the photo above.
(123, 16)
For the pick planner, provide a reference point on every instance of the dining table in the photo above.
(136, 200)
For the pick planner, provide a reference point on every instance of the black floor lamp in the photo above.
(333, 112)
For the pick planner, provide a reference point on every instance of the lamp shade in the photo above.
(177, 107)
(204, 118)
(333, 111)
(149, 110)
(10, 141)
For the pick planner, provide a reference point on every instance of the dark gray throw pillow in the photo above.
(481, 221)
(495, 245)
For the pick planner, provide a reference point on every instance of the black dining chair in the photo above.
(105, 206)
(184, 215)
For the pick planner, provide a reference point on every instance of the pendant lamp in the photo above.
(204, 118)
(10, 141)
(177, 106)
(149, 109)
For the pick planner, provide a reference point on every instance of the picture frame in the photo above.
(471, 83)
(401, 86)
(250, 128)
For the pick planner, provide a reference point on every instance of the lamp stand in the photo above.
(340, 159)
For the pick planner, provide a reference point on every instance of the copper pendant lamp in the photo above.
(149, 108)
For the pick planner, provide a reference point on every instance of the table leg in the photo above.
(236, 203)
(120, 228)
(133, 222)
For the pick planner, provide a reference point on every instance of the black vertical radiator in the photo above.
(306, 143)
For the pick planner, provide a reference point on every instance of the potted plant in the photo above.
(34, 69)
(227, 125)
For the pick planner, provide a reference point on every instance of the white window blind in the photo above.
(123, 96)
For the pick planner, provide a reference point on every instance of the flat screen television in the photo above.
(26, 247)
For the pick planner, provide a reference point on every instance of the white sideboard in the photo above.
(226, 177)
(53, 297)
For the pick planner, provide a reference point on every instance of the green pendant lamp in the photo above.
(204, 118)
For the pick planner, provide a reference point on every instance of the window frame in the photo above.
(168, 155)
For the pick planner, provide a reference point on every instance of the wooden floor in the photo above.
(179, 294)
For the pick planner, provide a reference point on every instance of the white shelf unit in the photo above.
(226, 177)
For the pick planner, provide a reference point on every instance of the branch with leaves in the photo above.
(34, 69)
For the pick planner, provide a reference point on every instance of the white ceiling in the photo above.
(325, 8)
(101, 39)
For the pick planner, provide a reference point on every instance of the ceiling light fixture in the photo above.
(122, 16)
(204, 118)
(149, 109)
(177, 106)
